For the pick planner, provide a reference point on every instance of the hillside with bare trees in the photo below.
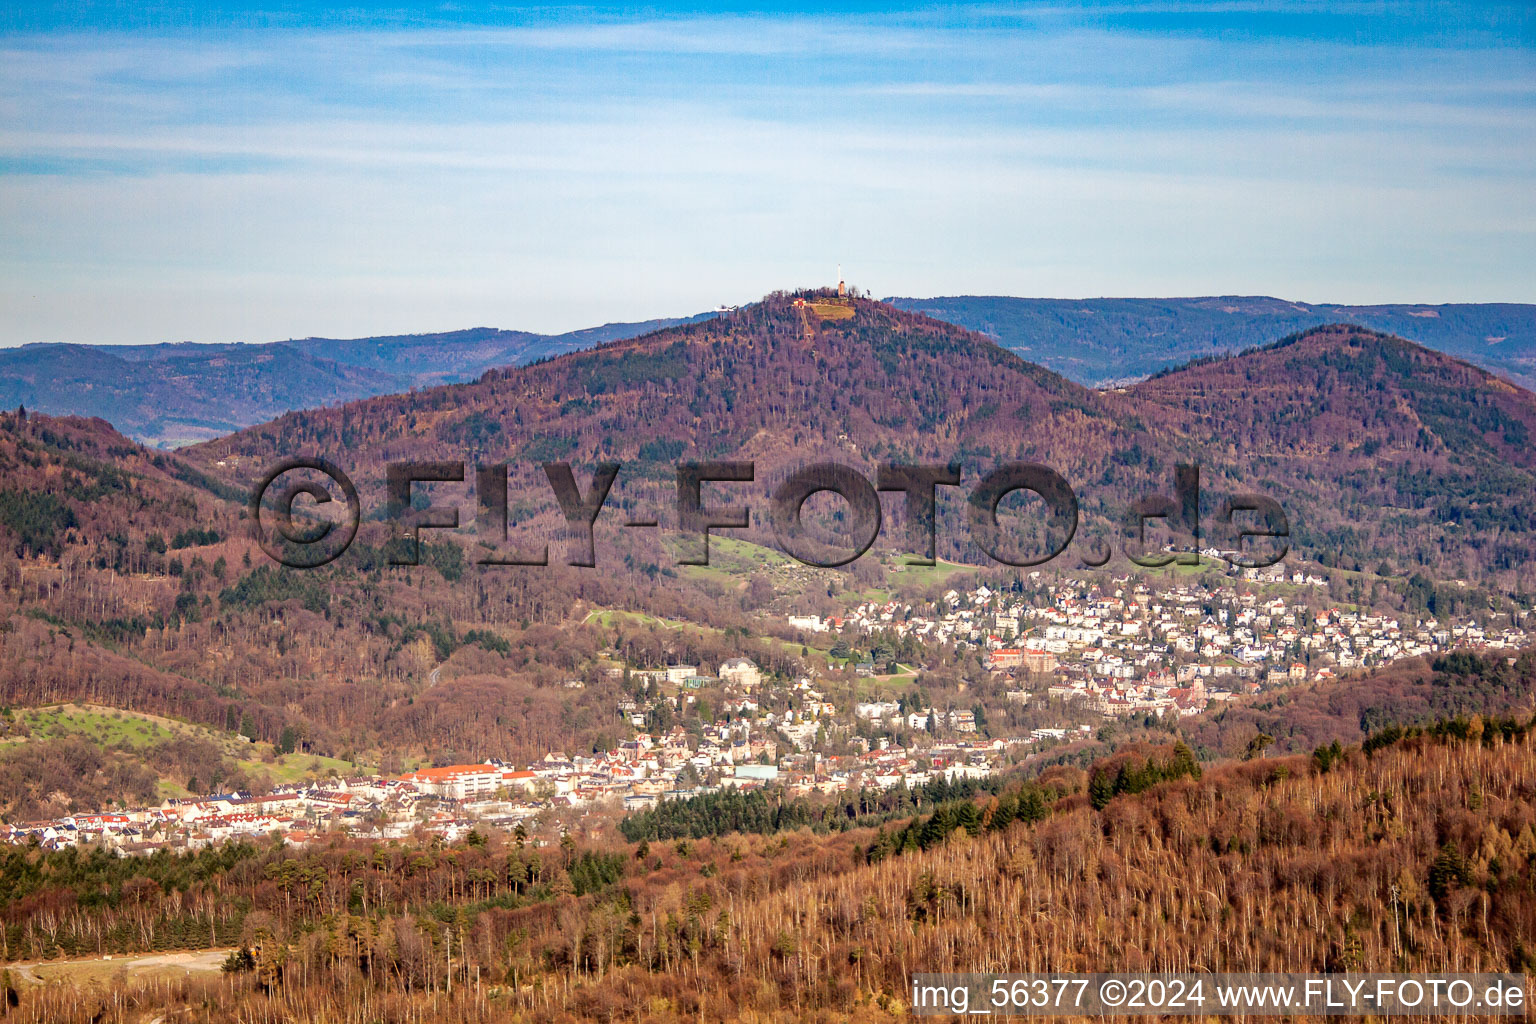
(1413, 852)
(1382, 453)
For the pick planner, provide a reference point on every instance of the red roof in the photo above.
(451, 771)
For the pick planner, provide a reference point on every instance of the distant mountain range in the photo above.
(1387, 457)
(1112, 341)
(174, 394)
(1382, 451)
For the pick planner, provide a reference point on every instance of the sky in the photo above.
(253, 173)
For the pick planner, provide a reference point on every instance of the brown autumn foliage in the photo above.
(1347, 427)
(1413, 691)
(127, 577)
(1420, 856)
(126, 585)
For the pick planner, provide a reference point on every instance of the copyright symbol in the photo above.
(1112, 993)
(1100, 556)
(318, 541)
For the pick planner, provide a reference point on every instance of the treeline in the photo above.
(1033, 801)
(767, 811)
(76, 902)
(1029, 804)
(1491, 731)
(1131, 774)
(1410, 692)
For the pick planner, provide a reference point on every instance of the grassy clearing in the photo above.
(105, 727)
(881, 686)
(166, 789)
(135, 731)
(297, 767)
(608, 618)
(902, 575)
(832, 310)
(732, 561)
(1174, 574)
(103, 971)
(902, 578)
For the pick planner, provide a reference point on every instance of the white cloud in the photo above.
(260, 185)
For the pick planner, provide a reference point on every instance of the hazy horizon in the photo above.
(644, 317)
(244, 174)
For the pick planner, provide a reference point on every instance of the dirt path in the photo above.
(55, 970)
(203, 960)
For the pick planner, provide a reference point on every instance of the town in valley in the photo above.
(1045, 660)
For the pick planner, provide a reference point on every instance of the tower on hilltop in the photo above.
(842, 290)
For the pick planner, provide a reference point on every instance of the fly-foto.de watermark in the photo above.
(309, 541)
(1204, 995)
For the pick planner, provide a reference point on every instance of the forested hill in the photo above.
(1096, 341)
(129, 580)
(172, 394)
(76, 486)
(177, 393)
(1404, 853)
(777, 383)
(768, 379)
(1400, 439)
(1342, 389)
(1384, 452)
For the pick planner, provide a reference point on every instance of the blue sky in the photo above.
(245, 173)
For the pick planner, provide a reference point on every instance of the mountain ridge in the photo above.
(1107, 341)
(777, 383)
(1095, 342)
(180, 392)
(184, 613)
